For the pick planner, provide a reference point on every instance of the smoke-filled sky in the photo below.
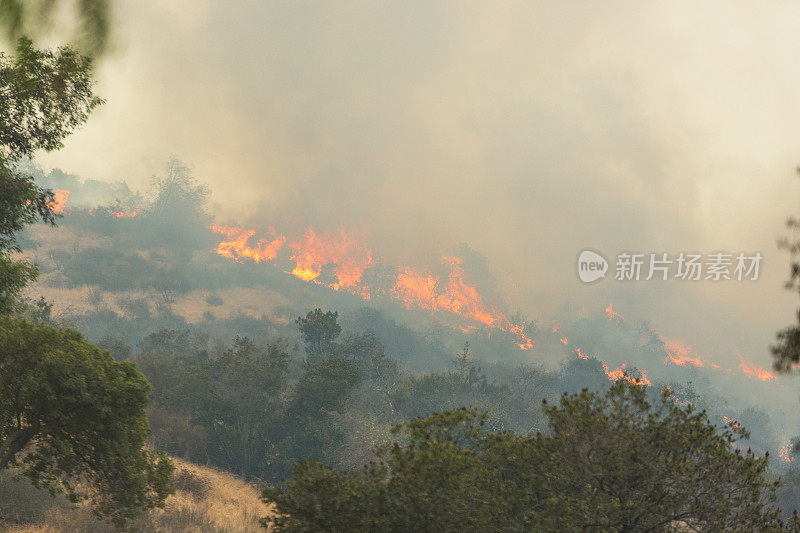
(528, 130)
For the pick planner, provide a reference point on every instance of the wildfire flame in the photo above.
(786, 452)
(619, 373)
(351, 258)
(348, 259)
(613, 315)
(124, 214)
(751, 369)
(680, 353)
(236, 246)
(60, 200)
(59, 205)
(731, 422)
(426, 291)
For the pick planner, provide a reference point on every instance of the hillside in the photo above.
(205, 499)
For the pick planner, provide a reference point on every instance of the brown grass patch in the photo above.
(205, 499)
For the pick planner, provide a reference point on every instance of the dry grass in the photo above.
(205, 500)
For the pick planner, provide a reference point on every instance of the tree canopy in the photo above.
(609, 462)
(319, 329)
(44, 96)
(24, 17)
(72, 419)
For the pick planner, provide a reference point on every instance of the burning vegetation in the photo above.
(155, 252)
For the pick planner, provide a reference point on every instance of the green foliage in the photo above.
(115, 271)
(251, 418)
(73, 420)
(466, 371)
(21, 203)
(786, 350)
(324, 385)
(14, 276)
(611, 462)
(20, 501)
(239, 402)
(464, 384)
(644, 466)
(366, 352)
(45, 96)
(20, 17)
(310, 427)
(177, 215)
(117, 347)
(319, 330)
(400, 342)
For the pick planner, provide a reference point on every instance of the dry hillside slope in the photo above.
(205, 500)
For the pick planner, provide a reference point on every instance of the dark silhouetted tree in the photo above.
(319, 329)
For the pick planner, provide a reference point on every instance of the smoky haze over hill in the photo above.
(530, 132)
(145, 261)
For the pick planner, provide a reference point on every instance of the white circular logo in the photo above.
(591, 266)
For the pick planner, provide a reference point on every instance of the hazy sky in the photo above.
(528, 130)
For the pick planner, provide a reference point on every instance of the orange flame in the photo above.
(426, 291)
(751, 369)
(619, 373)
(60, 200)
(236, 246)
(563, 340)
(312, 252)
(679, 353)
(59, 205)
(350, 259)
(463, 299)
(415, 288)
(125, 214)
(731, 422)
(613, 315)
(785, 452)
(581, 354)
(525, 344)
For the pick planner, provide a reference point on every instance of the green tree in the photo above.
(44, 96)
(310, 427)
(23, 17)
(466, 371)
(73, 420)
(610, 462)
(319, 330)
(786, 350)
(178, 216)
(238, 403)
(367, 353)
(621, 462)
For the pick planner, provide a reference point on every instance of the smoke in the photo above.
(530, 131)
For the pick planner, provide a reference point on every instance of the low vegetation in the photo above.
(205, 499)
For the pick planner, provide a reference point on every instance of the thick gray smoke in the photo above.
(529, 131)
